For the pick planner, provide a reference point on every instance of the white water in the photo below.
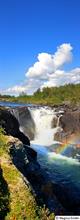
(44, 136)
(44, 133)
(60, 169)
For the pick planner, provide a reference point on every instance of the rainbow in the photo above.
(74, 140)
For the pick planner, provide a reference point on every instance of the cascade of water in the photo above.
(44, 133)
(58, 120)
(60, 168)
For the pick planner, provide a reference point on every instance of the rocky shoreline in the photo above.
(25, 158)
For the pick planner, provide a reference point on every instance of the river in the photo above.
(60, 162)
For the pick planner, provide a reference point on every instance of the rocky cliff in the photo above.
(26, 122)
(69, 121)
(25, 160)
(11, 125)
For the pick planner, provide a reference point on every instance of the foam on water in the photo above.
(44, 133)
(44, 137)
(70, 160)
(54, 157)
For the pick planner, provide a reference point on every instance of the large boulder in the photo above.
(11, 125)
(70, 121)
(24, 117)
(70, 124)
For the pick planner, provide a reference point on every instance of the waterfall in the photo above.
(58, 120)
(44, 133)
(44, 142)
(63, 166)
(41, 125)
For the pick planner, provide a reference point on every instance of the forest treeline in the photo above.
(69, 94)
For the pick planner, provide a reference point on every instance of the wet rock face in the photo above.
(27, 125)
(70, 124)
(54, 122)
(8, 122)
(70, 121)
(22, 155)
(11, 125)
(59, 135)
(25, 159)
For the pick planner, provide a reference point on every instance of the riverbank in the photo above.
(67, 94)
(19, 163)
(17, 200)
(47, 171)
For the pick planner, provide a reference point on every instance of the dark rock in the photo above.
(58, 136)
(11, 125)
(54, 122)
(23, 154)
(24, 159)
(22, 137)
(8, 122)
(24, 117)
(70, 124)
(4, 196)
(70, 121)
(1, 172)
(31, 154)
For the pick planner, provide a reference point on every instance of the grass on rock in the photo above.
(17, 201)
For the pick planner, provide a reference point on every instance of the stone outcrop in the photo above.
(24, 117)
(11, 125)
(25, 159)
(70, 124)
(54, 122)
(70, 121)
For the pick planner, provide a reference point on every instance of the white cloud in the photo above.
(48, 63)
(16, 89)
(29, 87)
(63, 77)
(62, 55)
(49, 71)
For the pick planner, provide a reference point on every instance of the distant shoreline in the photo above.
(67, 95)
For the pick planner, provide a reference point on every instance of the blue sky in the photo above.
(32, 27)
